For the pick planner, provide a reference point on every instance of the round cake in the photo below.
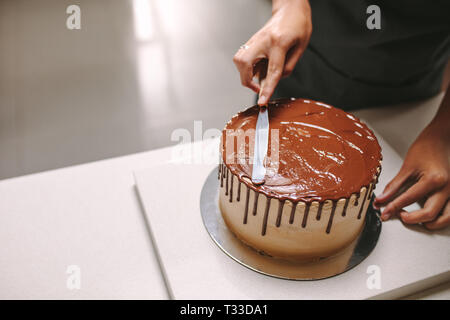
(322, 166)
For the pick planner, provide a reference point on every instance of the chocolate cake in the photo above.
(321, 169)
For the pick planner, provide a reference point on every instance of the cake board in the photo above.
(407, 259)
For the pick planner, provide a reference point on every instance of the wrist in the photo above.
(437, 130)
(435, 134)
(277, 5)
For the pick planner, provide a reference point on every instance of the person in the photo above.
(345, 63)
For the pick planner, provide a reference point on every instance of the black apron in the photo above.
(349, 66)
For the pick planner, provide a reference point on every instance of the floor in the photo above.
(136, 71)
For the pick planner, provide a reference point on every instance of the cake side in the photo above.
(292, 230)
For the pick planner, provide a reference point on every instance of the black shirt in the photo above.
(350, 66)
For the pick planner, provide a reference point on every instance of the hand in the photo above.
(424, 177)
(281, 41)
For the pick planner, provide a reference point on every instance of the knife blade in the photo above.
(261, 130)
(261, 145)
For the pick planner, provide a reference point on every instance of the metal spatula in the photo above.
(261, 142)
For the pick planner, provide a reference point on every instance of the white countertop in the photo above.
(86, 215)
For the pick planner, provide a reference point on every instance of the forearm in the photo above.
(440, 125)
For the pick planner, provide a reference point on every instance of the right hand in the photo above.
(281, 41)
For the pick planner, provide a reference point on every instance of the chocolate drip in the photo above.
(219, 170)
(330, 221)
(280, 212)
(246, 206)
(361, 208)
(305, 215)
(224, 169)
(255, 203)
(231, 189)
(238, 198)
(344, 211)
(221, 177)
(369, 193)
(366, 196)
(226, 179)
(319, 211)
(291, 218)
(357, 199)
(266, 216)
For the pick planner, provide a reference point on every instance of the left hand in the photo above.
(424, 178)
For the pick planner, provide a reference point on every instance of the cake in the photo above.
(322, 166)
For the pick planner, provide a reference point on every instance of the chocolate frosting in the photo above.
(324, 152)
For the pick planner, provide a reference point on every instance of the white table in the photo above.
(89, 216)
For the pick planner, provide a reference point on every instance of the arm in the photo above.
(425, 175)
(281, 41)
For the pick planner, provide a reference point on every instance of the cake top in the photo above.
(316, 152)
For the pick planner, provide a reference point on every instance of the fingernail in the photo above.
(262, 100)
(385, 217)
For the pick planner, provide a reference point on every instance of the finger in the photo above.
(274, 72)
(385, 217)
(418, 191)
(292, 58)
(244, 60)
(441, 221)
(391, 189)
(429, 212)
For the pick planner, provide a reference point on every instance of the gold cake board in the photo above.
(337, 264)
